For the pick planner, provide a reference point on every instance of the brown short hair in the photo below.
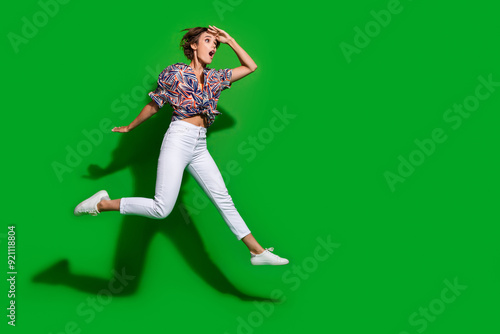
(191, 37)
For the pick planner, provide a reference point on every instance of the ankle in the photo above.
(257, 251)
(101, 205)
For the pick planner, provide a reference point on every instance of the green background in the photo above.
(322, 176)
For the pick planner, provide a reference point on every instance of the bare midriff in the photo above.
(198, 120)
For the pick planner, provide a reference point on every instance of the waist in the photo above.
(200, 120)
(187, 126)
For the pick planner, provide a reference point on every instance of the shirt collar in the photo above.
(205, 69)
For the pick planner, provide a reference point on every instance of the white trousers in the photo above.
(184, 144)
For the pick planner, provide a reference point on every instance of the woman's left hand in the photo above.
(220, 34)
(120, 129)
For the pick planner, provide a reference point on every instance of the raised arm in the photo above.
(247, 63)
(149, 110)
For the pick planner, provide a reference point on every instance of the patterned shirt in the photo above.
(179, 86)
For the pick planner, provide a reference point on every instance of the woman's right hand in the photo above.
(121, 129)
(220, 34)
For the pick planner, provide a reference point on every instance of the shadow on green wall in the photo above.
(139, 150)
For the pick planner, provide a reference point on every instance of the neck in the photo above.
(196, 65)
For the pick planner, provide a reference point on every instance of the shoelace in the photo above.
(271, 249)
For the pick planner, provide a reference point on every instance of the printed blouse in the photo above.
(179, 86)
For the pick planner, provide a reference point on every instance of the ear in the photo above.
(194, 46)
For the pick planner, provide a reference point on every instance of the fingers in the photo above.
(214, 29)
(214, 32)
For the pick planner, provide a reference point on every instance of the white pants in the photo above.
(184, 145)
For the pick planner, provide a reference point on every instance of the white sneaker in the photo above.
(267, 258)
(89, 206)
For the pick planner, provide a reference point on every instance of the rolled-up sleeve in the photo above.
(225, 76)
(165, 90)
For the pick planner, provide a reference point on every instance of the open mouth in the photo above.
(211, 53)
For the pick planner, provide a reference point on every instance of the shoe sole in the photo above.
(268, 264)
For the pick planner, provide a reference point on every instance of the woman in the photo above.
(193, 91)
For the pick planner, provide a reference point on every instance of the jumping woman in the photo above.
(193, 91)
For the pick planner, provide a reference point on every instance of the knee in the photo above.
(225, 200)
(161, 211)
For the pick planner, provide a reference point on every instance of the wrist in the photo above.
(230, 41)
